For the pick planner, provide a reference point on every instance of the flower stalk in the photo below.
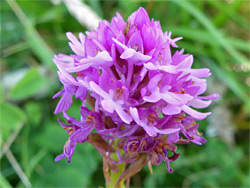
(115, 177)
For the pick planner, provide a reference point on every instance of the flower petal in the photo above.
(194, 113)
(107, 106)
(64, 103)
(198, 103)
(171, 110)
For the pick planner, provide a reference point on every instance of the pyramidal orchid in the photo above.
(143, 95)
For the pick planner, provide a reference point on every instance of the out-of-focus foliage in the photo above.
(215, 32)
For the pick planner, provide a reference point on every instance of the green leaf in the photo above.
(11, 117)
(77, 173)
(29, 85)
(52, 137)
(34, 112)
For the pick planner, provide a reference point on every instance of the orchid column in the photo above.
(141, 97)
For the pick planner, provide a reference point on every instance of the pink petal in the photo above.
(60, 157)
(198, 103)
(107, 106)
(150, 66)
(200, 72)
(64, 103)
(98, 90)
(211, 97)
(123, 115)
(165, 131)
(154, 81)
(100, 59)
(171, 110)
(194, 113)
(154, 97)
(135, 115)
(128, 53)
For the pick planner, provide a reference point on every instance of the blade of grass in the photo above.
(236, 86)
(219, 55)
(191, 48)
(185, 18)
(54, 13)
(18, 169)
(195, 177)
(3, 182)
(10, 140)
(228, 78)
(35, 160)
(15, 48)
(202, 18)
(229, 11)
(25, 149)
(37, 44)
(205, 37)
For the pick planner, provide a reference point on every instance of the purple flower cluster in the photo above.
(141, 96)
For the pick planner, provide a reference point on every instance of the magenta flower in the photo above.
(143, 99)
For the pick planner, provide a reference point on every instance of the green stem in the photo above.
(114, 176)
(113, 179)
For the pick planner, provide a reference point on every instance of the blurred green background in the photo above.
(215, 32)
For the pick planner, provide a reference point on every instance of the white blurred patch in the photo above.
(220, 121)
(10, 79)
(83, 13)
(221, 124)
